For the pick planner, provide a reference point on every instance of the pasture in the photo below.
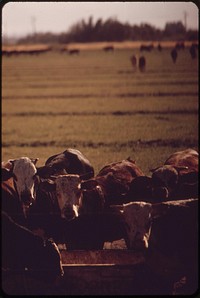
(98, 103)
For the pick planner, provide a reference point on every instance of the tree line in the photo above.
(113, 30)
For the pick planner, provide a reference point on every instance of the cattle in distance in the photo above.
(142, 63)
(133, 61)
(193, 48)
(108, 48)
(73, 51)
(174, 55)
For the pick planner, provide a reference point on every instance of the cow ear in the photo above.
(48, 185)
(131, 160)
(153, 170)
(6, 174)
(11, 162)
(44, 172)
(34, 160)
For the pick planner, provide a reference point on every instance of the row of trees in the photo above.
(113, 30)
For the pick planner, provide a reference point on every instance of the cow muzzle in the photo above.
(27, 198)
(68, 212)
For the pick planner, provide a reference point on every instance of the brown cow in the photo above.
(114, 180)
(178, 177)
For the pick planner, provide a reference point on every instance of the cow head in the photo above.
(165, 179)
(137, 216)
(92, 200)
(23, 171)
(68, 192)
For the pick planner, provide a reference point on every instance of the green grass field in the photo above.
(98, 103)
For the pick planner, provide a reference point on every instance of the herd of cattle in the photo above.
(141, 61)
(64, 202)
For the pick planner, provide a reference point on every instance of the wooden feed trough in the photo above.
(103, 272)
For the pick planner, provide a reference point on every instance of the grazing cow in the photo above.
(108, 48)
(180, 46)
(174, 55)
(23, 251)
(133, 60)
(114, 180)
(159, 47)
(142, 63)
(74, 51)
(147, 48)
(192, 51)
(71, 161)
(178, 177)
(19, 187)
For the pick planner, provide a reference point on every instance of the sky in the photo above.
(22, 18)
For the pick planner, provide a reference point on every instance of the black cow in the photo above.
(133, 60)
(108, 48)
(174, 55)
(147, 48)
(173, 247)
(22, 250)
(71, 161)
(74, 51)
(142, 63)
(192, 51)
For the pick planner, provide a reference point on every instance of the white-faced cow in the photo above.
(18, 186)
(71, 161)
(168, 234)
(68, 192)
(178, 177)
(57, 202)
